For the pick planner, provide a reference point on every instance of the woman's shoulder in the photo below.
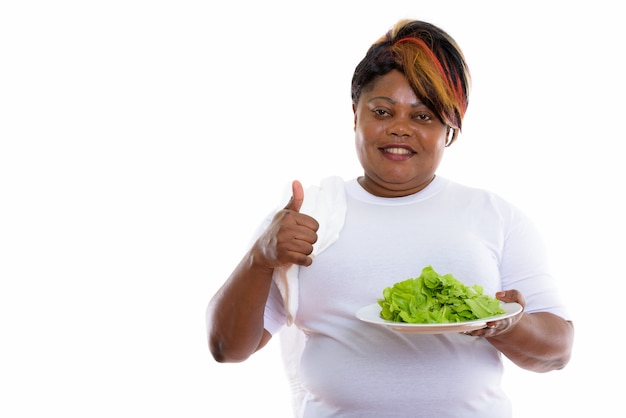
(458, 188)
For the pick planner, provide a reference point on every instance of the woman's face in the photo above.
(399, 141)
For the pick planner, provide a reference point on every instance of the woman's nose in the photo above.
(399, 127)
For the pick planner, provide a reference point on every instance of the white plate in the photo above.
(371, 314)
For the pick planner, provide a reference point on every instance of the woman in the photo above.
(311, 269)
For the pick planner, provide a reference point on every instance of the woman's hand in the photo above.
(539, 341)
(290, 237)
(502, 326)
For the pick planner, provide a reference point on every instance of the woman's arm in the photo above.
(539, 341)
(234, 316)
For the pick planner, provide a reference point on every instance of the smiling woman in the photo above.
(332, 249)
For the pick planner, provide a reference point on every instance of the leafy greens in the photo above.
(435, 299)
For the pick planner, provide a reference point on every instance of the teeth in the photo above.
(397, 151)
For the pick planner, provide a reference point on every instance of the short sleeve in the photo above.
(525, 266)
(275, 317)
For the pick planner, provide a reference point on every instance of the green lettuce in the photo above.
(435, 299)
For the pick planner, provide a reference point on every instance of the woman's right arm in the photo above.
(234, 315)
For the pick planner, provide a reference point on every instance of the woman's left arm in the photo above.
(539, 341)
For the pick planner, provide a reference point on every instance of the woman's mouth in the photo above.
(397, 153)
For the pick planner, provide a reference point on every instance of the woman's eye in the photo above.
(422, 117)
(380, 112)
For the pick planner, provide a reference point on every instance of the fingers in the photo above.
(297, 196)
(491, 328)
(299, 241)
(512, 295)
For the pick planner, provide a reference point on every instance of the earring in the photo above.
(450, 134)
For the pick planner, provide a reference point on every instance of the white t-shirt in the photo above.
(349, 368)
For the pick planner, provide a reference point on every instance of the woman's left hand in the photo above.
(502, 326)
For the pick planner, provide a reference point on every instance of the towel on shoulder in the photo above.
(327, 204)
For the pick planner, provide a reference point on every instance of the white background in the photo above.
(142, 141)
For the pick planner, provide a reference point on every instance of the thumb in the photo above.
(297, 196)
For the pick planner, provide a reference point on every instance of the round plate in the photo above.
(371, 314)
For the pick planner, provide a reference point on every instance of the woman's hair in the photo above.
(431, 61)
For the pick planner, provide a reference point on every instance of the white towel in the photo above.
(327, 204)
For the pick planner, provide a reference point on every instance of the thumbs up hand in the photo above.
(290, 237)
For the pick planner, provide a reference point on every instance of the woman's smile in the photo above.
(397, 153)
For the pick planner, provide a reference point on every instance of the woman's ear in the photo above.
(354, 111)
